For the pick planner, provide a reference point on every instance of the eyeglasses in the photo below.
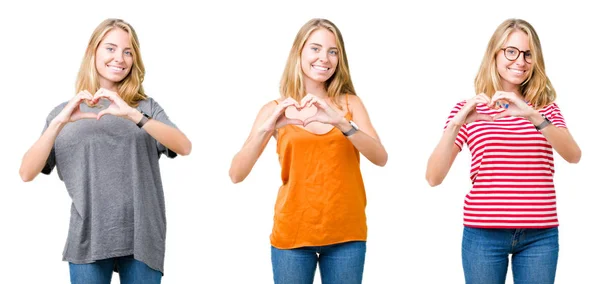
(512, 53)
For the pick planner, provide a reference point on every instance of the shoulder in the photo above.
(550, 110)
(149, 105)
(354, 102)
(148, 101)
(270, 105)
(550, 107)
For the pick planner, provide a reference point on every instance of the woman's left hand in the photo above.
(325, 113)
(513, 105)
(118, 107)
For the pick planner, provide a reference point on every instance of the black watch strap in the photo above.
(145, 118)
(542, 125)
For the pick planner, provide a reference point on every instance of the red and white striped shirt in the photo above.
(512, 170)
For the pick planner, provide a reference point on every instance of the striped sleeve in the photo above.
(461, 138)
(552, 112)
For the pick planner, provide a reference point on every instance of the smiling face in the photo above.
(114, 58)
(514, 73)
(319, 57)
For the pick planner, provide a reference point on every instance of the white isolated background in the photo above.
(213, 64)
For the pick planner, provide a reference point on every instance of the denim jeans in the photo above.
(338, 263)
(485, 255)
(131, 271)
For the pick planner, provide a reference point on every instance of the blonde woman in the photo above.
(511, 128)
(321, 128)
(105, 143)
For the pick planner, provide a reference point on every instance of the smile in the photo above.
(517, 71)
(115, 68)
(320, 68)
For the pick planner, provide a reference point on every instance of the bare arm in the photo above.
(268, 120)
(35, 158)
(166, 135)
(443, 156)
(169, 136)
(445, 152)
(366, 140)
(560, 138)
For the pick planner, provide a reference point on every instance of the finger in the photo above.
(85, 96)
(311, 119)
(282, 107)
(306, 99)
(310, 102)
(501, 115)
(481, 100)
(103, 93)
(501, 100)
(86, 115)
(77, 98)
(483, 97)
(291, 101)
(295, 121)
(483, 117)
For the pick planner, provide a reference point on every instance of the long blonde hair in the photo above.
(129, 89)
(537, 88)
(292, 83)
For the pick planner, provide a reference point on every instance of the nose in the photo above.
(521, 59)
(118, 56)
(323, 56)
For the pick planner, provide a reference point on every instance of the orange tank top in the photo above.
(322, 198)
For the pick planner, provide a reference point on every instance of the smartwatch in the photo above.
(545, 123)
(145, 118)
(352, 130)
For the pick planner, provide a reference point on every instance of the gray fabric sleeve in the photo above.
(51, 161)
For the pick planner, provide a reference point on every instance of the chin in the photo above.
(320, 78)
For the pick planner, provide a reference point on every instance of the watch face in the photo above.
(353, 124)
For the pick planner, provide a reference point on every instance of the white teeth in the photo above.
(320, 68)
(519, 72)
(116, 68)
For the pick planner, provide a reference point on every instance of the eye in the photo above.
(110, 49)
(528, 54)
(128, 53)
(333, 52)
(313, 48)
(511, 51)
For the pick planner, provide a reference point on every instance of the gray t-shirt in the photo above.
(111, 171)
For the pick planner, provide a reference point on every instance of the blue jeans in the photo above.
(131, 271)
(338, 263)
(485, 255)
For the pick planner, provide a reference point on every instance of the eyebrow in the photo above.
(112, 44)
(312, 43)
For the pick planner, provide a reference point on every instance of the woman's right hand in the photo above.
(72, 112)
(468, 112)
(278, 119)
